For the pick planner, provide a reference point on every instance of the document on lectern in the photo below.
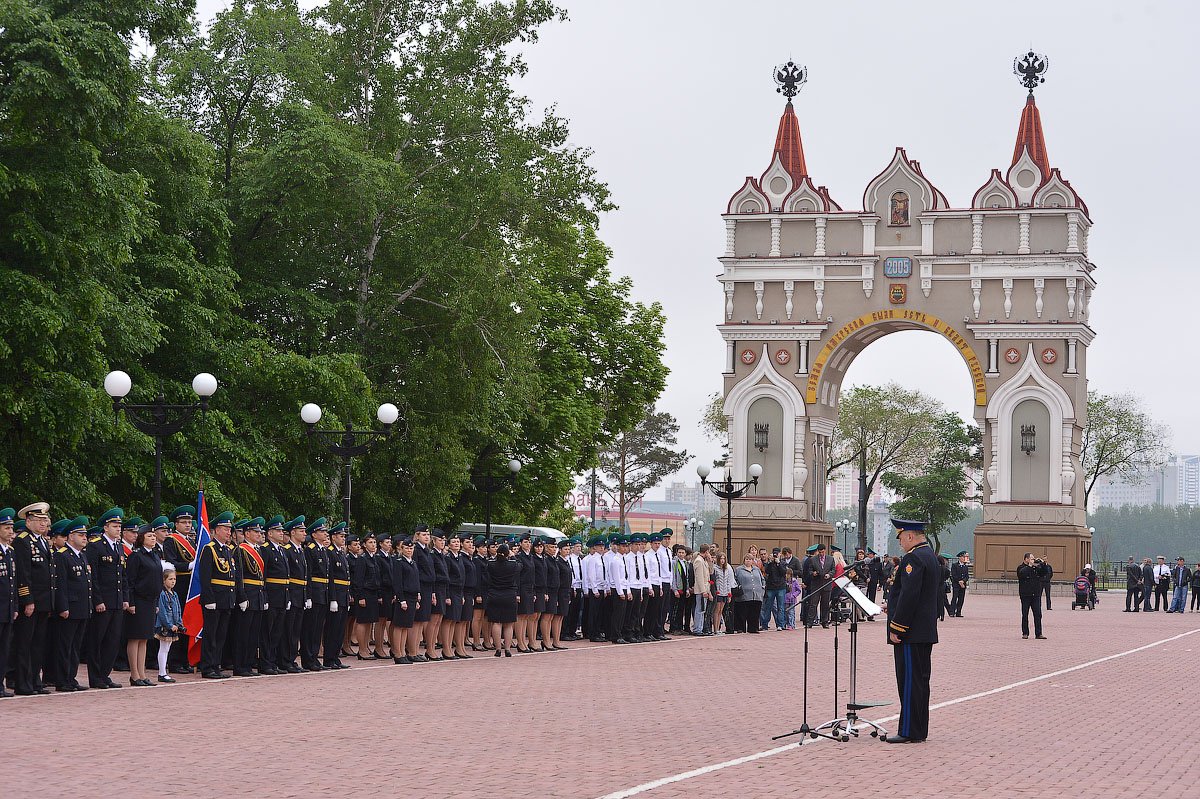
(858, 597)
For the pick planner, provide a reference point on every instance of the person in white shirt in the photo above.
(1162, 580)
(637, 588)
(618, 586)
(595, 590)
(652, 618)
(661, 548)
(571, 622)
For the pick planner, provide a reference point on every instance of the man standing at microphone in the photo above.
(912, 609)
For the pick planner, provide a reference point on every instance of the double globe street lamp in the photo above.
(348, 443)
(160, 418)
(729, 490)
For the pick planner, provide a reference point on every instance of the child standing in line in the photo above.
(169, 621)
(791, 598)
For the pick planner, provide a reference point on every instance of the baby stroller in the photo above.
(1083, 594)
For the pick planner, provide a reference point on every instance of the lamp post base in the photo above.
(999, 546)
(767, 522)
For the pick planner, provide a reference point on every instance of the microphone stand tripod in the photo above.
(805, 730)
(843, 727)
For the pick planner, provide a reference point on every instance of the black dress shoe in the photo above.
(98, 685)
(900, 739)
(112, 684)
(182, 670)
(1042, 637)
(6, 694)
(41, 690)
(620, 641)
(292, 668)
(417, 658)
(243, 673)
(66, 689)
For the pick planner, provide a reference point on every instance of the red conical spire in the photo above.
(1031, 138)
(788, 146)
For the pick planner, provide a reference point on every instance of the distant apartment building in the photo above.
(694, 496)
(1176, 483)
(841, 491)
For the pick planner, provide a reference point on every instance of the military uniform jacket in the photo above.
(251, 565)
(424, 560)
(339, 576)
(456, 577)
(364, 577)
(73, 592)
(35, 571)
(386, 592)
(565, 573)
(8, 585)
(441, 578)
(179, 556)
(960, 572)
(526, 577)
(405, 578)
(470, 575)
(276, 574)
(552, 575)
(318, 572)
(481, 575)
(539, 574)
(108, 573)
(298, 578)
(218, 576)
(915, 595)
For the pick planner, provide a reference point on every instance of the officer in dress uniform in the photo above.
(110, 594)
(912, 609)
(960, 577)
(298, 600)
(218, 595)
(595, 591)
(129, 531)
(316, 555)
(8, 590)
(35, 580)
(58, 540)
(72, 604)
(248, 630)
(179, 549)
(339, 597)
(659, 562)
(276, 579)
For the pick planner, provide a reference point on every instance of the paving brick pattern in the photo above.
(604, 719)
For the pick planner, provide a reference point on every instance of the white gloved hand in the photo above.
(212, 606)
(308, 604)
(243, 604)
(192, 566)
(333, 607)
(289, 605)
(266, 606)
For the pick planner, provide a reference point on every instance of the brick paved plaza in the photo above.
(612, 721)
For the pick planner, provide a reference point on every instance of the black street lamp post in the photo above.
(729, 490)
(158, 419)
(693, 526)
(491, 483)
(348, 443)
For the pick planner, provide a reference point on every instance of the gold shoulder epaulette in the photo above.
(23, 534)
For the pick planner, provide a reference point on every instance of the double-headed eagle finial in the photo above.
(790, 78)
(1032, 67)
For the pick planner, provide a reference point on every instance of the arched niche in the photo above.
(766, 416)
(1029, 451)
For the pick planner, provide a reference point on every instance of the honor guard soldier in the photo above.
(179, 549)
(34, 560)
(247, 631)
(339, 597)
(912, 628)
(110, 595)
(277, 580)
(312, 630)
(298, 600)
(72, 604)
(960, 577)
(8, 590)
(218, 595)
(595, 590)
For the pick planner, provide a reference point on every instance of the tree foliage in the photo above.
(639, 459)
(1120, 440)
(347, 206)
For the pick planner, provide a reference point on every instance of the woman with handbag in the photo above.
(144, 576)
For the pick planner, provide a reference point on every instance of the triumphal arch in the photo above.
(1005, 278)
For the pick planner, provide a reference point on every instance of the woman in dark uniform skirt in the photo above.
(364, 595)
(452, 610)
(407, 585)
(539, 594)
(550, 606)
(501, 605)
(144, 577)
(481, 632)
(525, 593)
(381, 632)
(469, 588)
(565, 592)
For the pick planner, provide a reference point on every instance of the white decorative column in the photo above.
(1008, 287)
(789, 287)
(1039, 286)
(1071, 297)
(926, 277)
(868, 237)
(775, 225)
(1071, 369)
(820, 250)
(799, 467)
(926, 236)
(993, 367)
(1083, 300)
(993, 469)
(1068, 470)
(758, 295)
(729, 356)
(976, 288)
(1072, 233)
(819, 288)
(976, 234)
(802, 358)
(730, 237)
(1023, 244)
(728, 300)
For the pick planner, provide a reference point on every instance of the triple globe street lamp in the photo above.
(845, 527)
(160, 418)
(693, 526)
(729, 490)
(491, 483)
(348, 443)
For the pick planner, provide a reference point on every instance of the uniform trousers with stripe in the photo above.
(289, 643)
(212, 639)
(312, 631)
(913, 668)
(271, 641)
(246, 635)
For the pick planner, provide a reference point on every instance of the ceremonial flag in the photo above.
(193, 614)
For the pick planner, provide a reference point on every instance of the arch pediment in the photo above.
(900, 164)
(1024, 177)
(1030, 376)
(995, 190)
(777, 183)
(1056, 192)
(749, 192)
(805, 198)
(764, 380)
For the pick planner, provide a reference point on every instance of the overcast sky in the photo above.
(677, 101)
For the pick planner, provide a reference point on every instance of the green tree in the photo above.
(639, 459)
(715, 425)
(1120, 440)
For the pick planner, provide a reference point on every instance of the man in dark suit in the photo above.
(312, 629)
(110, 598)
(8, 590)
(339, 597)
(1047, 576)
(1133, 586)
(960, 575)
(818, 586)
(1030, 575)
(218, 595)
(35, 580)
(1147, 583)
(72, 604)
(912, 609)
(276, 576)
(874, 573)
(298, 600)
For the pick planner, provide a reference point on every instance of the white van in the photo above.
(518, 530)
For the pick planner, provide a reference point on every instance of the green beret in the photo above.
(60, 527)
(276, 522)
(77, 525)
(224, 518)
(160, 523)
(341, 528)
(960, 554)
(112, 514)
(132, 521)
(7, 515)
(93, 532)
(183, 512)
(242, 524)
(480, 540)
(666, 531)
(294, 523)
(320, 524)
(258, 522)
(811, 550)
(19, 525)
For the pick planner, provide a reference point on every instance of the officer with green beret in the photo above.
(298, 600)
(312, 630)
(246, 623)
(276, 579)
(218, 595)
(72, 605)
(179, 549)
(339, 597)
(8, 590)
(110, 598)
